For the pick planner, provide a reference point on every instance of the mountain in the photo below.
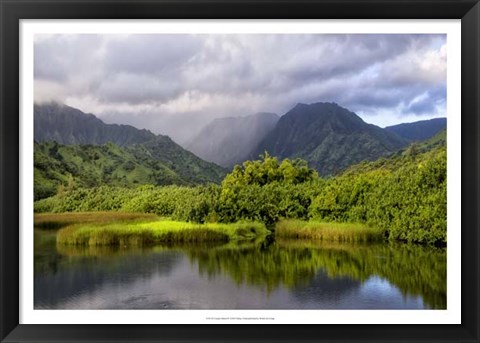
(329, 137)
(155, 162)
(70, 142)
(419, 130)
(68, 125)
(227, 141)
(440, 139)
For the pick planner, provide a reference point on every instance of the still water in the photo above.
(254, 275)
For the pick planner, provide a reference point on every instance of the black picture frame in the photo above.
(12, 11)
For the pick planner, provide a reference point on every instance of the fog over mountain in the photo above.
(228, 141)
(176, 84)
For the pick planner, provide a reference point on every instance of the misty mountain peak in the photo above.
(227, 141)
(68, 125)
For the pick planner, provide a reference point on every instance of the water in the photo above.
(254, 275)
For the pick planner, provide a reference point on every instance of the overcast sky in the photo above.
(173, 84)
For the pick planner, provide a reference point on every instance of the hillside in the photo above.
(228, 141)
(329, 137)
(68, 125)
(440, 139)
(96, 165)
(419, 130)
(395, 161)
(96, 153)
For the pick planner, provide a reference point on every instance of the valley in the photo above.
(317, 188)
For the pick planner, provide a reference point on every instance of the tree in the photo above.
(267, 170)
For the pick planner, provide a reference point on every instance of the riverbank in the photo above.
(130, 229)
(323, 231)
(126, 229)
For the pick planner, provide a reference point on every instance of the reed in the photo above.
(334, 232)
(59, 220)
(156, 232)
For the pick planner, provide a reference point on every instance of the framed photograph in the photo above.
(282, 171)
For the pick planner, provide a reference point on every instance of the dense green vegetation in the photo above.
(64, 167)
(76, 148)
(337, 232)
(403, 197)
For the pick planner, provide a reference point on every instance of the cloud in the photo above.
(427, 102)
(150, 54)
(163, 81)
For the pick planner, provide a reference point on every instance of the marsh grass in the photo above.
(58, 220)
(334, 232)
(156, 232)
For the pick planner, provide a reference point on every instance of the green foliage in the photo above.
(267, 190)
(336, 232)
(403, 196)
(195, 204)
(268, 203)
(86, 166)
(154, 232)
(267, 170)
(412, 202)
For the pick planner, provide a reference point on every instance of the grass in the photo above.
(334, 232)
(135, 229)
(59, 220)
(156, 232)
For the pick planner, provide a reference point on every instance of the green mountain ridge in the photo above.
(329, 137)
(72, 144)
(398, 159)
(419, 130)
(68, 125)
(57, 166)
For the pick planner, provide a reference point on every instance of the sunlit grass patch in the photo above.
(336, 232)
(155, 232)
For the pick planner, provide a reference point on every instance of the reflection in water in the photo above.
(275, 275)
